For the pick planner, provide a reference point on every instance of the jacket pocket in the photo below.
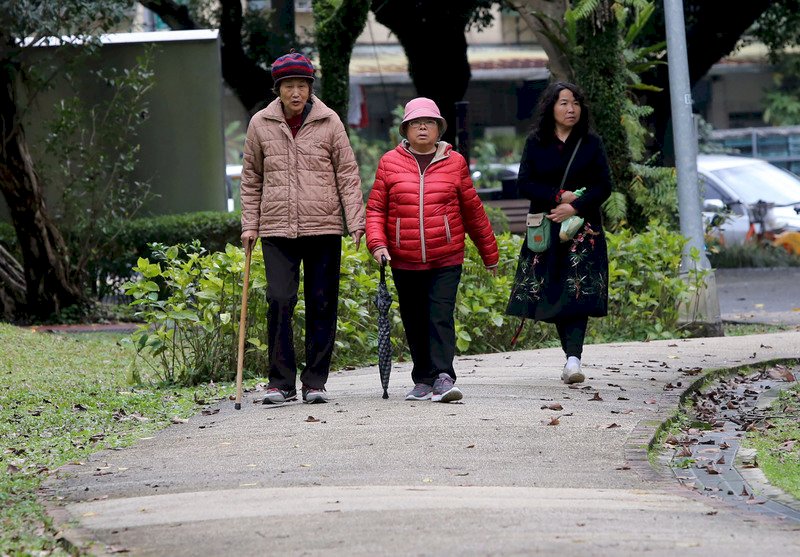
(397, 232)
(447, 229)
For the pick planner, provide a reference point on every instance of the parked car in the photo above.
(739, 191)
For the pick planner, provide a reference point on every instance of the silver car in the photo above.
(732, 188)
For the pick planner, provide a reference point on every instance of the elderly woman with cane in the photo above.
(421, 207)
(300, 191)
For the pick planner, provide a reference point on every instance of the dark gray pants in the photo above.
(321, 258)
(427, 304)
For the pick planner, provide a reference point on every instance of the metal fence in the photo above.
(779, 145)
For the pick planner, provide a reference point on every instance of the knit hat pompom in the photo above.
(293, 64)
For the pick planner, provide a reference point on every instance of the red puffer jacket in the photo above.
(422, 219)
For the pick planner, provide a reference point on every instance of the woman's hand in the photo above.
(568, 197)
(562, 212)
(249, 237)
(381, 252)
(356, 236)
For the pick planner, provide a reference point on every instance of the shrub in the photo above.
(189, 300)
(131, 240)
(751, 255)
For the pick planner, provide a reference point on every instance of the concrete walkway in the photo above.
(489, 476)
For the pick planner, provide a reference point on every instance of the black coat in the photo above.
(569, 278)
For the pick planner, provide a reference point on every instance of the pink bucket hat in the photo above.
(422, 107)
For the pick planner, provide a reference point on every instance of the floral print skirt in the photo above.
(568, 279)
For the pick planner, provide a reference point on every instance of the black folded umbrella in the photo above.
(384, 301)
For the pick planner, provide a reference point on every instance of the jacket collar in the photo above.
(319, 110)
(443, 149)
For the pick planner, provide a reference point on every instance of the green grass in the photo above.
(778, 448)
(63, 397)
(741, 329)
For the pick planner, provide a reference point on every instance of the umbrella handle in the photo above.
(383, 268)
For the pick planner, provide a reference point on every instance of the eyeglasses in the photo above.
(416, 124)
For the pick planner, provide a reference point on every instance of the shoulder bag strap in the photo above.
(572, 158)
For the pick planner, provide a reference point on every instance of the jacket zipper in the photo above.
(421, 206)
(447, 229)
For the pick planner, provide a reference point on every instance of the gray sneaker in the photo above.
(444, 390)
(315, 396)
(279, 396)
(421, 391)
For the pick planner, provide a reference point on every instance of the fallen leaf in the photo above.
(597, 397)
(209, 412)
(312, 419)
(623, 467)
(721, 460)
(671, 440)
(782, 374)
(613, 425)
(684, 452)
(554, 406)
(471, 446)
(553, 421)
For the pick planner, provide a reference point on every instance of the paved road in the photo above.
(760, 295)
(491, 476)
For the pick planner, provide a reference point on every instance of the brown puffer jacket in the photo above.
(298, 186)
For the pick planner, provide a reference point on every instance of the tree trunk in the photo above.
(544, 17)
(600, 71)
(48, 286)
(251, 83)
(436, 48)
(337, 30)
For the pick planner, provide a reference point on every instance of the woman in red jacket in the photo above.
(420, 208)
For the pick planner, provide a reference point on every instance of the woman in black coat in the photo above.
(567, 282)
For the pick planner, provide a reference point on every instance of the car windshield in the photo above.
(761, 182)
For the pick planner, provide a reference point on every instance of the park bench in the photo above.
(516, 211)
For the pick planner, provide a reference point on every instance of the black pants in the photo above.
(321, 257)
(427, 304)
(572, 331)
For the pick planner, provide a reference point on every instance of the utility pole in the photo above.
(701, 314)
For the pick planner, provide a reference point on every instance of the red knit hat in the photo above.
(293, 64)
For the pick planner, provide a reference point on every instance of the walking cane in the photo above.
(242, 320)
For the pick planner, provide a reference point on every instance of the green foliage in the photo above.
(655, 191)
(782, 100)
(775, 444)
(644, 286)
(368, 153)
(63, 398)
(337, 25)
(189, 300)
(751, 255)
(132, 239)
(93, 152)
(497, 218)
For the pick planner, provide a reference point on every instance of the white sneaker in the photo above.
(572, 371)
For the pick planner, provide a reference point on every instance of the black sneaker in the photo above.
(279, 396)
(315, 396)
(444, 390)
